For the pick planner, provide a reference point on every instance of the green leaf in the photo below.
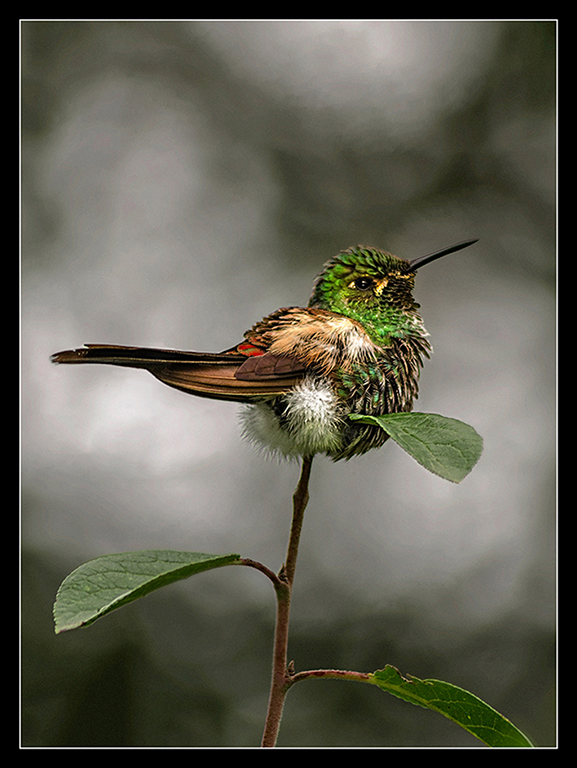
(458, 705)
(106, 583)
(447, 447)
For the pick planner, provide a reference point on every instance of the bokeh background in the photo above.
(182, 179)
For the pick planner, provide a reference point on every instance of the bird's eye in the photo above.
(363, 283)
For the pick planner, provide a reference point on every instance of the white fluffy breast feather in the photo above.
(311, 422)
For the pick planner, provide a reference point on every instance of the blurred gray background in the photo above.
(180, 180)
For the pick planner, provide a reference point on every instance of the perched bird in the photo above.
(357, 348)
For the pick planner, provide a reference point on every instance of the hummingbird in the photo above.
(357, 348)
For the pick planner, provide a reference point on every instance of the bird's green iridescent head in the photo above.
(376, 289)
(363, 281)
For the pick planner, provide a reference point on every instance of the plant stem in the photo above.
(281, 678)
(259, 567)
(332, 674)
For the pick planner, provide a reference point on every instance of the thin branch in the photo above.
(281, 677)
(300, 501)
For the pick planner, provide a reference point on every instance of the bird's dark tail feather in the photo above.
(141, 357)
(227, 375)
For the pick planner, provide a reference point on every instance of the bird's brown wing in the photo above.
(229, 375)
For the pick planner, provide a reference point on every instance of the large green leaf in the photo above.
(458, 705)
(447, 447)
(106, 583)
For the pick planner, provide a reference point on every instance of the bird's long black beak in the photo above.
(422, 260)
